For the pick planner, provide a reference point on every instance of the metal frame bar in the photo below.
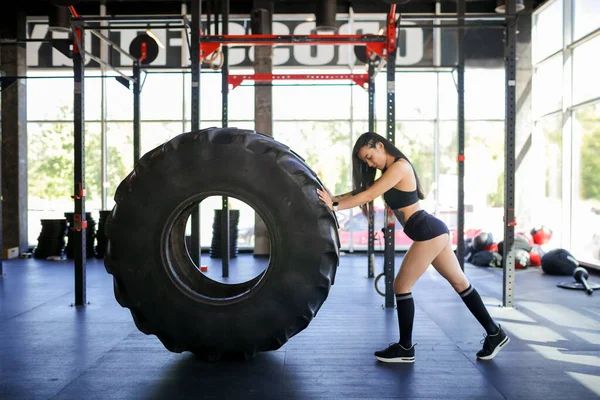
(467, 16)
(390, 218)
(225, 237)
(460, 229)
(133, 27)
(583, 104)
(195, 26)
(235, 80)
(137, 111)
(497, 25)
(108, 66)
(104, 51)
(130, 18)
(510, 164)
(537, 64)
(112, 44)
(371, 206)
(80, 220)
(567, 182)
(1, 197)
(584, 39)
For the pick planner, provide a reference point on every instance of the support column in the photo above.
(509, 148)
(262, 20)
(195, 249)
(225, 238)
(390, 219)
(80, 225)
(525, 141)
(460, 229)
(371, 243)
(13, 62)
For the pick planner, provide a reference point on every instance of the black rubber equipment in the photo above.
(165, 291)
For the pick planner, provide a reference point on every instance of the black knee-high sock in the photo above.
(477, 308)
(406, 314)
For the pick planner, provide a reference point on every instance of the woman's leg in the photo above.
(415, 262)
(447, 265)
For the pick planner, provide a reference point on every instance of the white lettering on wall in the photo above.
(303, 53)
(410, 49)
(413, 48)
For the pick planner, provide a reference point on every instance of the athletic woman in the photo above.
(399, 185)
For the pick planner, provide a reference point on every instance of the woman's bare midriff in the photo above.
(404, 213)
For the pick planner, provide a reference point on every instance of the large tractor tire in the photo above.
(166, 293)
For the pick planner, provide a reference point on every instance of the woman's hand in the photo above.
(326, 198)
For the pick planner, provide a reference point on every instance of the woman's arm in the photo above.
(388, 180)
(341, 196)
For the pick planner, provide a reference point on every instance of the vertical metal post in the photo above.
(569, 192)
(79, 217)
(225, 239)
(460, 229)
(103, 113)
(509, 144)
(195, 248)
(136, 111)
(371, 243)
(1, 198)
(390, 218)
(437, 61)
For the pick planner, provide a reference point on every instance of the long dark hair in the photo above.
(363, 176)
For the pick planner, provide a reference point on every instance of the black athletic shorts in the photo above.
(423, 226)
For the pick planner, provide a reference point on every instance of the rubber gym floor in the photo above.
(49, 349)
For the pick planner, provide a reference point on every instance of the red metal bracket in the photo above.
(79, 224)
(206, 49)
(461, 158)
(377, 48)
(235, 80)
(391, 218)
(391, 30)
(79, 191)
(510, 218)
(77, 31)
(144, 52)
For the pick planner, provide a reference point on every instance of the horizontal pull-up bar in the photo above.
(491, 16)
(210, 43)
(126, 19)
(236, 80)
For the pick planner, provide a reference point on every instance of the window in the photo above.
(548, 209)
(586, 17)
(547, 86)
(586, 81)
(585, 229)
(548, 30)
(162, 97)
(120, 156)
(415, 140)
(325, 146)
(484, 94)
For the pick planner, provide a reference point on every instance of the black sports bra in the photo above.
(399, 198)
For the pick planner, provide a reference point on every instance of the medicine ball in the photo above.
(541, 235)
(522, 259)
(492, 247)
(520, 243)
(482, 258)
(482, 240)
(535, 259)
(497, 260)
(559, 262)
(526, 236)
